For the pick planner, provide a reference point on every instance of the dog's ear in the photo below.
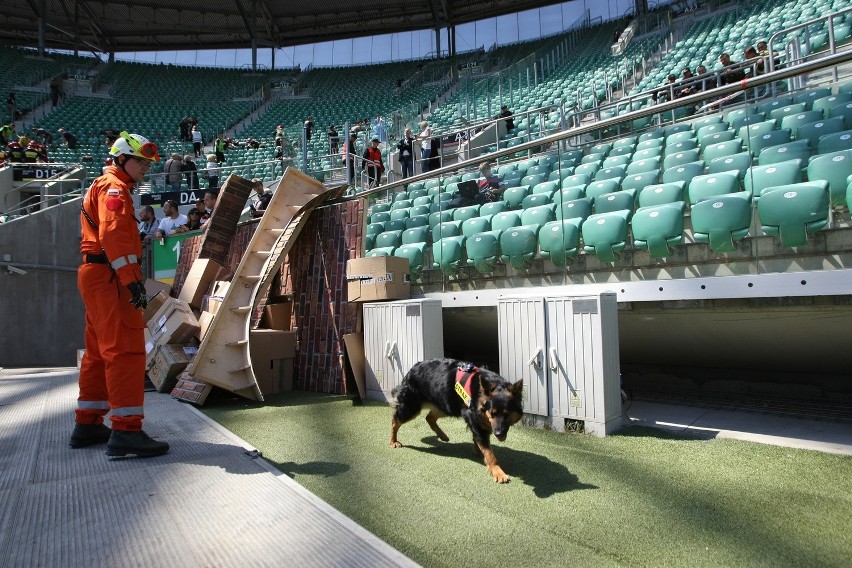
(484, 386)
(517, 388)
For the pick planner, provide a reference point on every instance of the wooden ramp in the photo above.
(223, 358)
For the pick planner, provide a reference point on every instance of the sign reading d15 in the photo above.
(20, 173)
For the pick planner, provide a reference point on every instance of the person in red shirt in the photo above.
(373, 164)
(112, 372)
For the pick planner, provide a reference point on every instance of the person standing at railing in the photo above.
(11, 103)
(730, 75)
(507, 114)
(309, 128)
(197, 141)
(333, 140)
(112, 371)
(406, 153)
(349, 153)
(190, 170)
(212, 173)
(373, 164)
(70, 139)
(425, 138)
(261, 199)
(173, 169)
(220, 146)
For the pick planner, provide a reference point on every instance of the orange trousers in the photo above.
(112, 372)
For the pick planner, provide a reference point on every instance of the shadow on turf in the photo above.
(322, 468)
(545, 476)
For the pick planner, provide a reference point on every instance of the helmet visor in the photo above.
(148, 150)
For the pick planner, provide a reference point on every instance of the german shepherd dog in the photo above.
(487, 402)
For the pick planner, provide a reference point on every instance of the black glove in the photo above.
(137, 290)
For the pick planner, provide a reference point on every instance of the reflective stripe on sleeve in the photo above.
(124, 260)
(92, 404)
(128, 411)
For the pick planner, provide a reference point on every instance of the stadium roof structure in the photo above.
(159, 25)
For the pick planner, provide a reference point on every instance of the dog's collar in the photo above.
(464, 382)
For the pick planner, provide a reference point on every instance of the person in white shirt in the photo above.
(172, 222)
(212, 173)
(425, 138)
(197, 141)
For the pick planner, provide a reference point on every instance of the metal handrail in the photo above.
(718, 92)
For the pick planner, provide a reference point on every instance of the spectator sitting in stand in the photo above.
(171, 221)
(107, 164)
(757, 66)
(194, 220)
(730, 75)
(490, 186)
(190, 171)
(199, 206)
(210, 202)
(262, 198)
(70, 139)
(663, 94)
(688, 86)
(763, 51)
(147, 223)
(507, 114)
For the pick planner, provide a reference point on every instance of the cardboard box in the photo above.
(154, 287)
(201, 275)
(213, 304)
(279, 379)
(204, 321)
(378, 278)
(150, 349)
(180, 327)
(168, 306)
(154, 305)
(277, 316)
(169, 361)
(266, 346)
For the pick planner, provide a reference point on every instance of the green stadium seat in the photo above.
(465, 213)
(476, 225)
(717, 138)
(833, 168)
(415, 235)
(636, 182)
(593, 158)
(381, 251)
(602, 148)
(532, 180)
(536, 200)
(783, 111)
(414, 253)
(415, 194)
(757, 143)
(440, 217)
(721, 149)
(538, 216)
(680, 158)
(503, 221)
(569, 209)
(735, 162)
(758, 178)
(400, 196)
(396, 224)
(483, 251)
(643, 165)
(660, 194)
(650, 144)
(548, 187)
(795, 150)
(835, 142)
(683, 172)
(710, 129)
(401, 204)
(518, 245)
(422, 200)
(389, 239)
(605, 234)
(448, 254)
(577, 179)
(514, 196)
(740, 121)
(587, 169)
(416, 210)
(615, 172)
(417, 221)
(808, 97)
(755, 129)
(791, 212)
(844, 110)
(380, 217)
(658, 228)
(647, 153)
(721, 221)
(379, 208)
(559, 241)
(814, 131)
(711, 185)
(492, 208)
(620, 200)
(446, 229)
(601, 187)
(369, 242)
(794, 121)
(570, 193)
(681, 136)
(656, 134)
(375, 228)
(612, 161)
(680, 146)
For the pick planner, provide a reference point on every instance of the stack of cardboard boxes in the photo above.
(273, 349)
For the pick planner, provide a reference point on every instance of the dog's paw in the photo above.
(443, 437)
(395, 444)
(500, 476)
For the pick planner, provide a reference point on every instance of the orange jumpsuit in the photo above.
(112, 373)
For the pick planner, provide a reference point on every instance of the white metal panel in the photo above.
(433, 329)
(522, 344)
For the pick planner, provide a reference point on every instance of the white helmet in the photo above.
(135, 145)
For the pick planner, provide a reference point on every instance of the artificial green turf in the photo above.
(639, 498)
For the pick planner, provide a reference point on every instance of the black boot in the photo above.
(89, 435)
(140, 444)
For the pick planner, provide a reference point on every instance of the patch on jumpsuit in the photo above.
(114, 201)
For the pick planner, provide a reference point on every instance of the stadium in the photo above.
(586, 196)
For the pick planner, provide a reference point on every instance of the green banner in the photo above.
(166, 254)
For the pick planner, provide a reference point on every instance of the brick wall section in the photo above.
(315, 275)
(217, 239)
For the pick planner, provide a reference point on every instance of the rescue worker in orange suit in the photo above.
(112, 372)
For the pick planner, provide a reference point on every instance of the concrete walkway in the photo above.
(206, 503)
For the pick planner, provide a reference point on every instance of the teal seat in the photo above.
(680, 158)
(505, 169)
(602, 148)
(849, 190)
(381, 251)
(794, 121)
(740, 121)
(483, 251)
(833, 168)
(476, 225)
(379, 207)
(756, 129)
(587, 169)
(415, 194)
(548, 187)
(615, 172)
(448, 254)
(758, 178)
(735, 162)
(835, 142)
(581, 208)
(570, 193)
(422, 200)
(647, 153)
(787, 110)
(593, 158)
(439, 217)
(643, 165)
(503, 221)
(416, 210)
(843, 110)
(795, 150)
(775, 138)
(415, 186)
(388, 239)
(492, 208)
(414, 253)
(518, 245)
(627, 141)
(375, 228)
(681, 146)
(710, 185)
(417, 221)
(605, 234)
(658, 228)
(620, 200)
(380, 217)
(446, 229)
(792, 212)
(401, 196)
(531, 180)
(620, 160)
(514, 196)
(680, 136)
(657, 134)
(683, 172)
(721, 221)
(399, 214)
(814, 131)
(638, 181)
(707, 121)
(538, 215)
(650, 143)
(597, 188)
(464, 213)
(808, 97)
(717, 138)
(396, 224)
(536, 200)
(538, 170)
(399, 205)
(710, 129)
(576, 179)
(776, 103)
(559, 241)
(415, 235)
(660, 194)
(721, 149)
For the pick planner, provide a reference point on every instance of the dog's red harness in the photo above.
(464, 381)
